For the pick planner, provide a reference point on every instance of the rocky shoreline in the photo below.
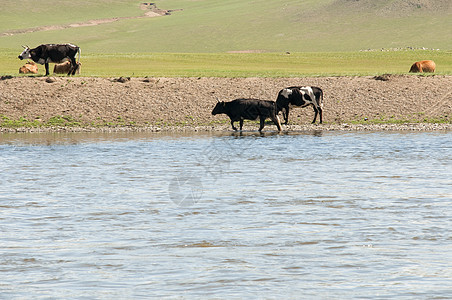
(247, 128)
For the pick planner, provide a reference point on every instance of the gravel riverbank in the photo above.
(388, 102)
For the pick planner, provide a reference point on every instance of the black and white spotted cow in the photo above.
(53, 53)
(300, 96)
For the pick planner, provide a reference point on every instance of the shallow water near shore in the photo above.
(309, 214)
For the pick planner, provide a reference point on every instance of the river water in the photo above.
(301, 215)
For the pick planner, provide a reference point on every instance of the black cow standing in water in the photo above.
(53, 53)
(248, 109)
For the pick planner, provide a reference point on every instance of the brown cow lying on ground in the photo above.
(423, 66)
(64, 68)
(29, 67)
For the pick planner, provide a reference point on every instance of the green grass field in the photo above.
(245, 65)
(324, 37)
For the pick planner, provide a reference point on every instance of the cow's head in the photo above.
(219, 108)
(25, 54)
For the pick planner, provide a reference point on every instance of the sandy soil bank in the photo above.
(186, 103)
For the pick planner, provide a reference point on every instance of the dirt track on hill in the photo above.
(167, 102)
(151, 11)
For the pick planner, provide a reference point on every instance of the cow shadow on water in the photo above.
(254, 133)
(273, 133)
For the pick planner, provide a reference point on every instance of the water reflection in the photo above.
(69, 138)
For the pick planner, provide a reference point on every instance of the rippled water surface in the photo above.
(273, 216)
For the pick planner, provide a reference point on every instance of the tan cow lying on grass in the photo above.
(29, 67)
(423, 66)
(64, 68)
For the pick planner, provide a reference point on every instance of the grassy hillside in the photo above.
(31, 13)
(235, 25)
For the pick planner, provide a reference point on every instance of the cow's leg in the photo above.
(233, 127)
(47, 69)
(262, 122)
(320, 114)
(315, 115)
(241, 124)
(73, 67)
(284, 110)
(275, 119)
(286, 117)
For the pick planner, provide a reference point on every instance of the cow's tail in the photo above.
(78, 54)
(321, 99)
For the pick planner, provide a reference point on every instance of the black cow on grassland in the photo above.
(300, 96)
(52, 53)
(249, 109)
